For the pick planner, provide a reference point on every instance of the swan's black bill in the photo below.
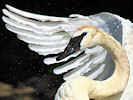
(72, 47)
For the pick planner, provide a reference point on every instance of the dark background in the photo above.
(19, 64)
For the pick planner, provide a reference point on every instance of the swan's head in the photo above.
(82, 38)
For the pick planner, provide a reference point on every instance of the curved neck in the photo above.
(118, 81)
(83, 88)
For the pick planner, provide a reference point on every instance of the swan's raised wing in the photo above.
(50, 35)
(43, 38)
(45, 35)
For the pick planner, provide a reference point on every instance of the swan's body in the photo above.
(44, 33)
(83, 88)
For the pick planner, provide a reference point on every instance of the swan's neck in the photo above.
(83, 88)
(118, 81)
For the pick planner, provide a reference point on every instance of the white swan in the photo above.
(83, 88)
(44, 33)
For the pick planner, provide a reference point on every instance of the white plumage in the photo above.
(50, 35)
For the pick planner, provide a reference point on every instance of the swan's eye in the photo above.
(84, 33)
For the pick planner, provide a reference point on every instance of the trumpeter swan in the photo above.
(50, 35)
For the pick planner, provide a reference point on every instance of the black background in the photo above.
(17, 62)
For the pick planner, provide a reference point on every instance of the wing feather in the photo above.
(35, 16)
(52, 60)
(30, 28)
(30, 34)
(72, 64)
(34, 24)
(43, 48)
